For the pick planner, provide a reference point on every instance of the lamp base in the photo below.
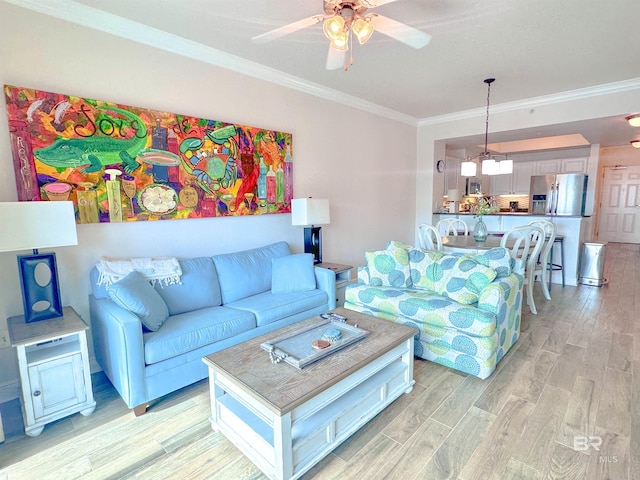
(39, 284)
(313, 242)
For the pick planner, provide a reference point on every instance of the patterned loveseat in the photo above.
(466, 308)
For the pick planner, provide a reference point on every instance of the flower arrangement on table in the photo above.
(484, 207)
(480, 229)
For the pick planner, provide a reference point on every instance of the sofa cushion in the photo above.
(189, 331)
(497, 258)
(270, 307)
(292, 273)
(246, 273)
(199, 287)
(135, 293)
(389, 268)
(423, 307)
(460, 278)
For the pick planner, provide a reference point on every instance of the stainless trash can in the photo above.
(592, 259)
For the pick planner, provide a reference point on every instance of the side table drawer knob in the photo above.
(37, 393)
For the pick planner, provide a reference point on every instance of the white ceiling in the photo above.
(533, 48)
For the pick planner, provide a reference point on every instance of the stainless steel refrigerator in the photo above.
(561, 194)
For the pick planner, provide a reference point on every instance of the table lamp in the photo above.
(34, 225)
(311, 212)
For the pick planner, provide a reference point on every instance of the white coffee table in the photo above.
(286, 420)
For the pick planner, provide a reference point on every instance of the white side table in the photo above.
(343, 278)
(54, 368)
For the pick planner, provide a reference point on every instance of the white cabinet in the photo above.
(54, 368)
(516, 183)
(567, 165)
(575, 165)
(452, 175)
(548, 167)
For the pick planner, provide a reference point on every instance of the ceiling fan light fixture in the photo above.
(363, 29)
(635, 143)
(634, 120)
(341, 42)
(333, 27)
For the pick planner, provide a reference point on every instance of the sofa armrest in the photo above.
(503, 297)
(326, 280)
(119, 348)
(363, 274)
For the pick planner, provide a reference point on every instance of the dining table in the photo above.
(466, 243)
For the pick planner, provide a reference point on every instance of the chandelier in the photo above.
(492, 164)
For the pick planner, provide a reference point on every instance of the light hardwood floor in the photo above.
(572, 380)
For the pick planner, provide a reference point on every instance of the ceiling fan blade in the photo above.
(375, 3)
(287, 29)
(401, 32)
(335, 58)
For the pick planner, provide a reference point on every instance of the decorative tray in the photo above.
(296, 348)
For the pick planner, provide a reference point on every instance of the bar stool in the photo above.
(555, 266)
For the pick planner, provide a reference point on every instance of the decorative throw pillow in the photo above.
(497, 258)
(466, 280)
(389, 268)
(135, 293)
(292, 273)
(429, 268)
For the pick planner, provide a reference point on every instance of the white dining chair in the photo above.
(525, 243)
(541, 267)
(451, 226)
(429, 238)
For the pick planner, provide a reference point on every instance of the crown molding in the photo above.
(528, 103)
(96, 19)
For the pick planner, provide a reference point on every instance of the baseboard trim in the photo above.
(9, 391)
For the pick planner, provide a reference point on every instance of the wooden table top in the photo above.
(282, 387)
(469, 243)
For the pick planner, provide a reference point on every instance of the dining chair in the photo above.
(451, 226)
(429, 238)
(542, 265)
(525, 243)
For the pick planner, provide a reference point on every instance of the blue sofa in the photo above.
(221, 301)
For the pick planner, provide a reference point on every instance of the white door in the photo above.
(620, 205)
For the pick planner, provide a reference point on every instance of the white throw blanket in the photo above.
(162, 270)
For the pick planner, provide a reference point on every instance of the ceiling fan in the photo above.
(344, 19)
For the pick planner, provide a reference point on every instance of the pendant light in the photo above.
(492, 164)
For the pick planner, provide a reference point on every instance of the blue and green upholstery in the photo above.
(466, 308)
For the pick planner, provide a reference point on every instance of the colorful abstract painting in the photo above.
(121, 164)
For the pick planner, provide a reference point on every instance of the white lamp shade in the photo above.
(505, 166)
(32, 225)
(453, 195)
(489, 167)
(310, 211)
(468, 169)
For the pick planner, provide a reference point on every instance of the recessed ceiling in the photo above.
(533, 48)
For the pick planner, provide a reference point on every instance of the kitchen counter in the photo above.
(515, 214)
(575, 230)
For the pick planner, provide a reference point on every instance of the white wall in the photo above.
(364, 164)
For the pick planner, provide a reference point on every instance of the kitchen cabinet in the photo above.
(566, 165)
(452, 175)
(516, 183)
(575, 165)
